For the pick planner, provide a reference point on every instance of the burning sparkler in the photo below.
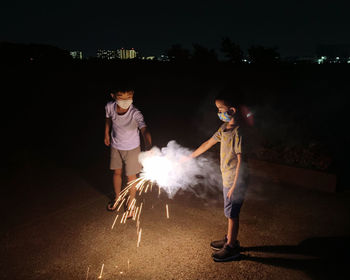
(172, 168)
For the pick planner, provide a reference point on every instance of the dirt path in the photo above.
(286, 233)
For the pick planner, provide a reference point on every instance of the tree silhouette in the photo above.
(231, 50)
(203, 55)
(20, 53)
(178, 53)
(262, 55)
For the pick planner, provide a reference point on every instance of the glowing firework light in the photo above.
(171, 168)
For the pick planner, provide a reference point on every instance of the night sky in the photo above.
(151, 27)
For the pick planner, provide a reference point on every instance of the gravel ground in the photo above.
(286, 233)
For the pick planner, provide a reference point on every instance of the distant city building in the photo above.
(148, 57)
(77, 54)
(163, 58)
(107, 54)
(126, 54)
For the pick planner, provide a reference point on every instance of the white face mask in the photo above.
(125, 104)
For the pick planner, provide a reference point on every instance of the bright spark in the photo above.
(101, 271)
(139, 239)
(135, 213)
(138, 217)
(121, 204)
(131, 207)
(146, 188)
(114, 221)
(121, 220)
(126, 216)
(167, 211)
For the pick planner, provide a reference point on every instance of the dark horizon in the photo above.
(333, 50)
(153, 27)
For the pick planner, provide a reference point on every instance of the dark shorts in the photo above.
(232, 205)
(130, 160)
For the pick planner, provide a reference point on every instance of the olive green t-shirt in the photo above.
(230, 146)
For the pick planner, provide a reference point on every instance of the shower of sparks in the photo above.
(147, 187)
(114, 221)
(121, 204)
(135, 213)
(126, 216)
(167, 211)
(127, 200)
(100, 277)
(132, 204)
(138, 217)
(139, 239)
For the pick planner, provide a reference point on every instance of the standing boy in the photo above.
(233, 177)
(123, 124)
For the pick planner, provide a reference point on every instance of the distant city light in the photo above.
(126, 54)
(76, 54)
(107, 54)
(121, 53)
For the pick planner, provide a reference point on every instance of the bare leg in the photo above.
(232, 231)
(117, 181)
(132, 190)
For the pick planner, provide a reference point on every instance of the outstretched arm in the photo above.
(204, 147)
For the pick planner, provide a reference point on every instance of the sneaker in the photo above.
(227, 253)
(218, 244)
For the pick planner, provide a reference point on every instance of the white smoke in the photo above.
(172, 169)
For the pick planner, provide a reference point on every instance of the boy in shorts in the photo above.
(233, 175)
(123, 125)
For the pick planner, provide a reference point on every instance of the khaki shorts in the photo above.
(130, 159)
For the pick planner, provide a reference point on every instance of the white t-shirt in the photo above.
(125, 133)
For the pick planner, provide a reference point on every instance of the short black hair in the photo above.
(230, 97)
(122, 87)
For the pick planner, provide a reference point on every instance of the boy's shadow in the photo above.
(319, 257)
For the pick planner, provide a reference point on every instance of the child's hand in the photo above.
(148, 147)
(229, 193)
(107, 140)
(184, 159)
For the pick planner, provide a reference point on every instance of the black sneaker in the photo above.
(227, 253)
(218, 244)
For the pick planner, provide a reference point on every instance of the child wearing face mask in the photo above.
(124, 122)
(233, 172)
